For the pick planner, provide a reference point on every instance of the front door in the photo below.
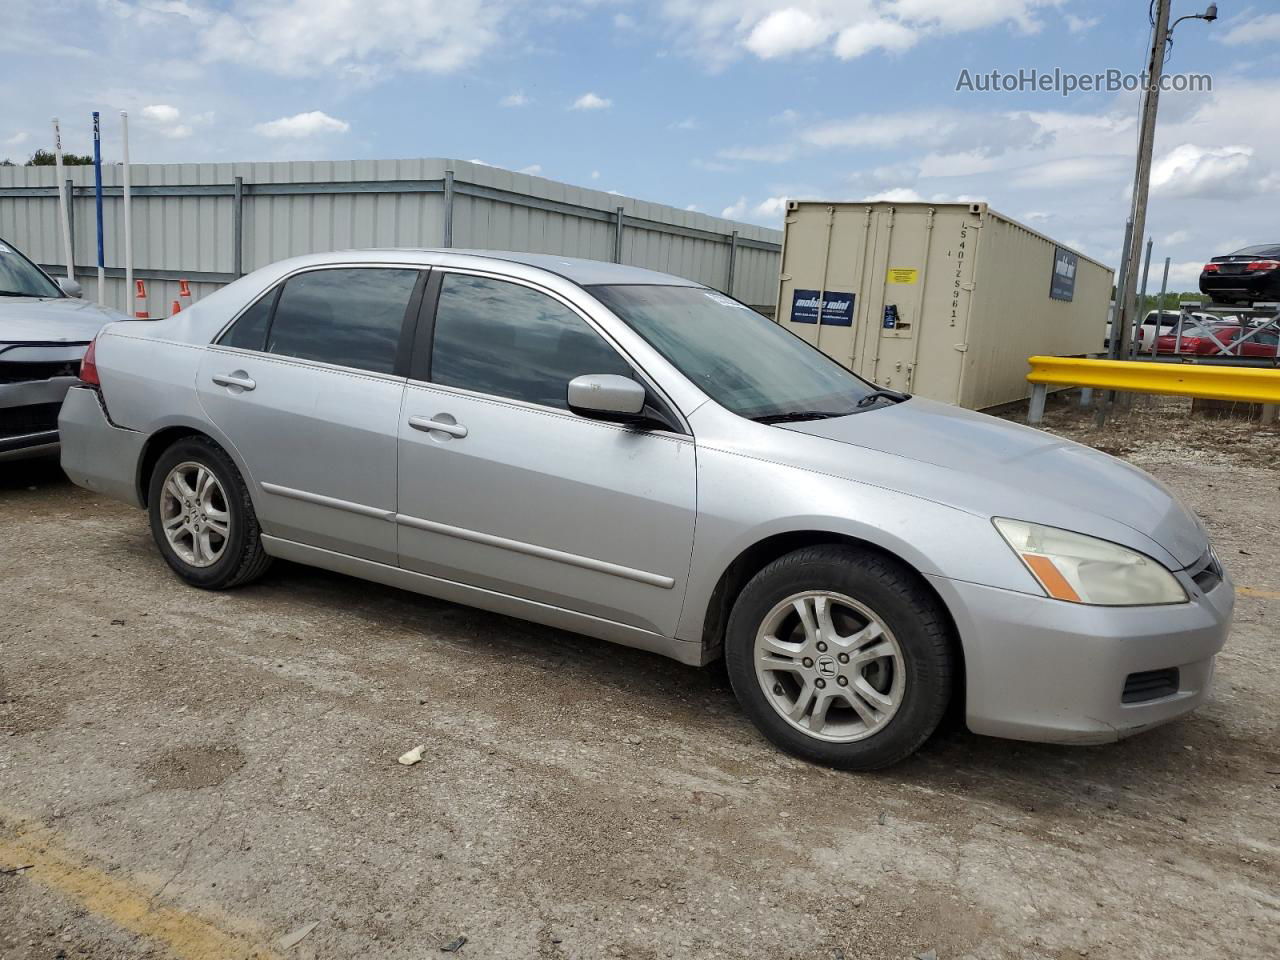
(305, 386)
(504, 488)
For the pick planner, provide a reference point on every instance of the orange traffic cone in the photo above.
(176, 308)
(140, 301)
(184, 294)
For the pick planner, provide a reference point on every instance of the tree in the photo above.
(45, 158)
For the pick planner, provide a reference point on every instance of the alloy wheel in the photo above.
(829, 666)
(194, 514)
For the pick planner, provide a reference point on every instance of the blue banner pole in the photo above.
(97, 194)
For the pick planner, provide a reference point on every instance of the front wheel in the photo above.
(202, 518)
(841, 656)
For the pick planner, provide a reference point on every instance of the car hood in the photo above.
(997, 468)
(55, 320)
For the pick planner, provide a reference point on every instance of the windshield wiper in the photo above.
(797, 415)
(875, 395)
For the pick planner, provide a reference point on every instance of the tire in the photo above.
(218, 543)
(875, 605)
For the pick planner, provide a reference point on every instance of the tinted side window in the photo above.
(250, 330)
(510, 341)
(348, 316)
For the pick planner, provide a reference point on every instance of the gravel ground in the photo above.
(199, 775)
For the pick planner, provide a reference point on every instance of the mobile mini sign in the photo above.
(1063, 284)
(836, 308)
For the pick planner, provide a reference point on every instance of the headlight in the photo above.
(1080, 569)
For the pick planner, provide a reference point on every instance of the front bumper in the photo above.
(97, 454)
(1045, 670)
(28, 416)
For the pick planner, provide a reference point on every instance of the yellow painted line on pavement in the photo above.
(59, 868)
(1255, 592)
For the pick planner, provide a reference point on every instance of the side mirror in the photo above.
(70, 287)
(606, 396)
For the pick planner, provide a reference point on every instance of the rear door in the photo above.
(307, 385)
(504, 488)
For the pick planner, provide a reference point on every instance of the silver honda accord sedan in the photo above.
(642, 459)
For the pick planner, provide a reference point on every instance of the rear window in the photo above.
(1262, 250)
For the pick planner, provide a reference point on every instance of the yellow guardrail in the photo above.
(1246, 384)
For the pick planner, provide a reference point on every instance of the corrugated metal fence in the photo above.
(211, 223)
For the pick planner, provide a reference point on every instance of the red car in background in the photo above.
(1196, 341)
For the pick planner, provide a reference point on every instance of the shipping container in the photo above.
(210, 223)
(944, 300)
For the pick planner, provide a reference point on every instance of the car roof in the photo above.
(580, 270)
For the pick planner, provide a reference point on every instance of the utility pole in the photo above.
(1142, 177)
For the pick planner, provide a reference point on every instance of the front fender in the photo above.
(743, 501)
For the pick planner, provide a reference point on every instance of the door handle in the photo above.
(435, 423)
(234, 380)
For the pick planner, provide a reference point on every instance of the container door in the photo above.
(823, 272)
(923, 264)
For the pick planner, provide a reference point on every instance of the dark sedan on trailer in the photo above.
(1249, 275)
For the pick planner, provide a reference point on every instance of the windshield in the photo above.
(19, 277)
(743, 361)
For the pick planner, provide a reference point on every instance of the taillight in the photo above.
(89, 368)
(1261, 265)
(1210, 268)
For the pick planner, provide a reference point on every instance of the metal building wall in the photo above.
(187, 218)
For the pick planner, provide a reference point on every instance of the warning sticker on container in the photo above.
(903, 275)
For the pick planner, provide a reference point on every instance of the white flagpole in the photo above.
(62, 199)
(128, 213)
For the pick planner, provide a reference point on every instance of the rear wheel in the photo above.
(202, 518)
(840, 656)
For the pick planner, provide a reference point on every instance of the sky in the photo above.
(724, 106)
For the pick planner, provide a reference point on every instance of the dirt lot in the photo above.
(199, 775)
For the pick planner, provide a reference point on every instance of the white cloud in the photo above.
(590, 101)
(339, 37)
(771, 208)
(898, 195)
(951, 16)
(1036, 216)
(786, 31)
(852, 42)
(735, 211)
(1048, 174)
(533, 170)
(713, 166)
(688, 123)
(517, 99)
(1189, 170)
(1175, 238)
(17, 139)
(303, 125)
(161, 113)
(1081, 24)
(166, 120)
(624, 21)
(692, 208)
(1183, 275)
(1262, 29)
(716, 31)
(595, 174)
(882, 130)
